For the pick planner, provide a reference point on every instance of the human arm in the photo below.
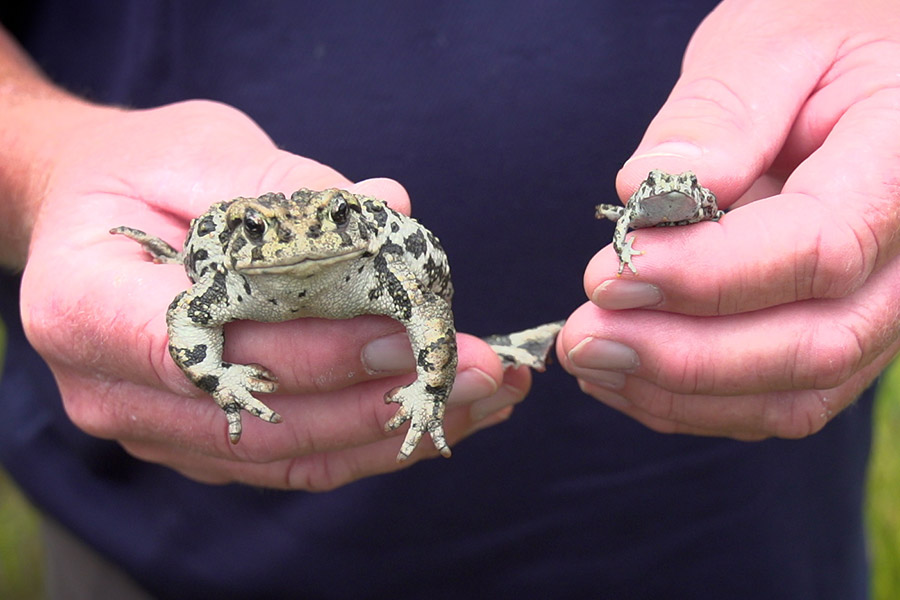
(772, 321)
(94, 306)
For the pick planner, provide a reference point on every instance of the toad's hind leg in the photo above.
(527, 348)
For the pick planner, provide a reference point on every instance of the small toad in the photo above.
(662, 200)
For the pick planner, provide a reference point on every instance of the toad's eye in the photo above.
(254, 225)
(340, 211)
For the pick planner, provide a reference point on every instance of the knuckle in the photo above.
(689, 372)
(715, 99)
(796, 416)
(827, 356)
(91, 409)
(841, 258)
(312, 473)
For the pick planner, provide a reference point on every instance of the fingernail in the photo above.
(505, 396)
(389, 354)
(604, 355)
(471, 385)
(670, 149)
(618, 294)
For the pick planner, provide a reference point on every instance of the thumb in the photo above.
(746, 74)
(385, 189)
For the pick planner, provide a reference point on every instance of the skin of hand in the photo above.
(773, 320)
(94, 305)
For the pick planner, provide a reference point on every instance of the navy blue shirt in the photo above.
(507, 122)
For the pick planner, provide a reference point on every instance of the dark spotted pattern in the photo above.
(238, 244)
(224, 236)
(437, 277)
(387, 280)
(314, 231)
(378, 213)
(216, 295)
(195, 256)
(444, 345)
(189, 357)
(347, 240)
(176, 300)
(205, 226)
(207, 383)
(415, 244)
(285, 235)
(363, 231)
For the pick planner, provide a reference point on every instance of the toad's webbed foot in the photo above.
(626, 253)
(231, 390)
(423, 407)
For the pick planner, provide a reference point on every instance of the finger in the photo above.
(316, 473)
(792, 415)
(313, 472)
(814, 344)
(862, 67)
(328, 355)
(311, 423)
(730, 111)
(385, 189)
(288, 172)
(770, 252)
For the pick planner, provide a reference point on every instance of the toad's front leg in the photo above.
(623, 248)
(196, 341)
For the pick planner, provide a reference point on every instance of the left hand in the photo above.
(773, 320)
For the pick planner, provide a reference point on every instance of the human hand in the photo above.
(773, 320)
(94, 307)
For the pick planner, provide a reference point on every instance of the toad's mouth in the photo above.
(296, 266)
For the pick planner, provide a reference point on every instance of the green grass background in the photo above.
(20, 548)
(883, 506)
